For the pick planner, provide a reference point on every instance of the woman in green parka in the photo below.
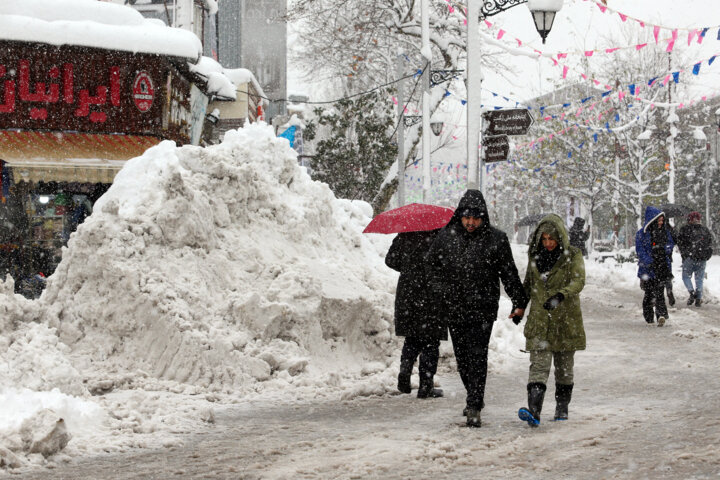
(554, 330)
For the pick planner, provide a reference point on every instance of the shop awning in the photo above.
(69, 157)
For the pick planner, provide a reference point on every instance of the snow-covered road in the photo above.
(644, 406)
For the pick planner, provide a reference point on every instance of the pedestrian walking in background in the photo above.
(579, 235)
(466, 263)
(695, 244)
(415, 315)
(554, 330)
(654, 246)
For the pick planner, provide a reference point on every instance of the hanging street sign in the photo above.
(515, 121)
(495, 148)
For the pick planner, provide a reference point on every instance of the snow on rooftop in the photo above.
(225, 81)
(94, 24)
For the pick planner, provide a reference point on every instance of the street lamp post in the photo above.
(644, 140)
(542, 10)
(426, 52)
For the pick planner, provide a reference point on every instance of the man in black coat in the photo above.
(466, 263)
(695, 244)
(415, 316)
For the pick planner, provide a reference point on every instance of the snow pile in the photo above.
(203, 275)
(217, 268)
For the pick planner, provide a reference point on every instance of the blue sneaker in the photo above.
(526, 416)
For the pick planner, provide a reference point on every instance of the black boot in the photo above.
(427, 389)
(473, 419)
(691, 300)
(563, 394)
(404, 383)
(536, 394)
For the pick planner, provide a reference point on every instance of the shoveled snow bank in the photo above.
(204, 275)
(217, 268)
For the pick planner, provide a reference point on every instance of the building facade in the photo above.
(252, 34)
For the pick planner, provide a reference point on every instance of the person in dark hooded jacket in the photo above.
(578, 235)
(415, 316)
(466, 263)
(654, 245)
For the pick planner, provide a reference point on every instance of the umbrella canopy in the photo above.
(675, 210)
(531, 220)
(415, 217)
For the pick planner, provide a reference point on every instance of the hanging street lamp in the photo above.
(543, 10)
(543, 13)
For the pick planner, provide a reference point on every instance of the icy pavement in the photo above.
(642, 408)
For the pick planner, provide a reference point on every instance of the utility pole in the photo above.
(400, 132)
(474, 98)
(427, 55)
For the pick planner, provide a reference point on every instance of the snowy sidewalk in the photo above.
(640, 410)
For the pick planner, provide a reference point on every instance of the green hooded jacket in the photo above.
(561, 329)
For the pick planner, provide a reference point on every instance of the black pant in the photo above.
(654, 300)
(429, 351)
(470, 343)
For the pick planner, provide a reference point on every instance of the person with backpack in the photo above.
(695, 244)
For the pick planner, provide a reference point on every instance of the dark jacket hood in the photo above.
(473, 200)
(651, 214)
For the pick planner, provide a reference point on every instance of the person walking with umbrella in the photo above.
(554, 330)
(695, 244)
(466, 263)
(415, 313)
(654, 246)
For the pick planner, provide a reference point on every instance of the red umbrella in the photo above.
(415, 217)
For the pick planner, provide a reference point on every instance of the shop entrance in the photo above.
(36, 220)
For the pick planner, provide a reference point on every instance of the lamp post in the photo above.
(704, 146)
(543, 10)
(426, 52)
(644, 141)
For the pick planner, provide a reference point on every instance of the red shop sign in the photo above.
(143, 91)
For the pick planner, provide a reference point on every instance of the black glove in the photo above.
(552, 302)
(516, 319)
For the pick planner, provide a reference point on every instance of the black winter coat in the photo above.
(695, 241)
(465, 269)
(578, 235)
(415, 312)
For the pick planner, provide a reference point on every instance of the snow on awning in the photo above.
(69, 157)
(94, 24)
